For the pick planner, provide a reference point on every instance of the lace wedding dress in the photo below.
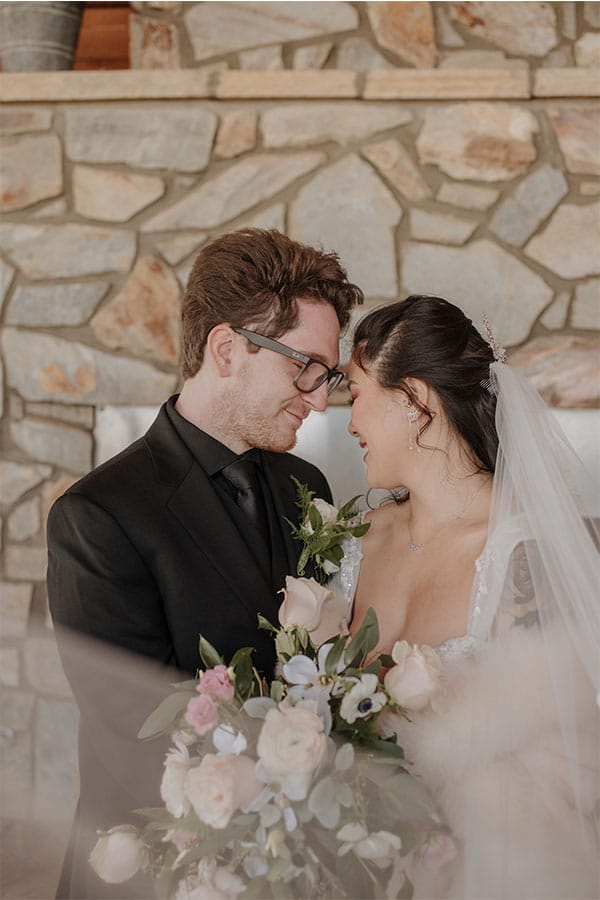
(512, 757)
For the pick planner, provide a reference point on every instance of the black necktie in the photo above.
(243, 476)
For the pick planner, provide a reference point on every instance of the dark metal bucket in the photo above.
(39, 37)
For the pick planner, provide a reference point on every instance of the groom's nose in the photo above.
(317, 400)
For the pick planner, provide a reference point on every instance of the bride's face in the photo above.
(379, 423)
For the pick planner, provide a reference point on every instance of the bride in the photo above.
(486, 556)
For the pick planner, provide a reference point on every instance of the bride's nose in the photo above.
(351, 429)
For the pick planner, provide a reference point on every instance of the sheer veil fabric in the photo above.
(513, 757)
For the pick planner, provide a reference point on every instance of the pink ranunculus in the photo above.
(438, 851)
(202, 714)
(217, 684)
(415, 679)
(181, 839)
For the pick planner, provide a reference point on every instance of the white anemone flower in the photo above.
(227, 741)
(363, 699)
(310, 680)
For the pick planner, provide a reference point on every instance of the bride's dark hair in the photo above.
(431, 339)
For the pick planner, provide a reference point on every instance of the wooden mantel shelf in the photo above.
(329, 84)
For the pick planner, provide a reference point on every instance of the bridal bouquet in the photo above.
(295, 788)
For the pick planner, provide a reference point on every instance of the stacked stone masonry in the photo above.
(446, 148)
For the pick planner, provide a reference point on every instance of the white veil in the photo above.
(530, 803)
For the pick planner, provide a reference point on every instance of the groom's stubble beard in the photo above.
(245, 419)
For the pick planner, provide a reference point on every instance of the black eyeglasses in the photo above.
(313, 373)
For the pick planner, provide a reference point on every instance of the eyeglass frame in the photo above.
(333, 377)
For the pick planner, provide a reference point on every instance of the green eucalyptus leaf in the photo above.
(209, 656)
(359, 531)
(335, 654)
(347, 509)
(265, 624)
(164, 714)
(365, 639)
(315, 518)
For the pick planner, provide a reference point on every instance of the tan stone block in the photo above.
(576, 128)
(585, 312)
(16, 119)
(360, 55)
(16, 479)
(176, 248)
(265, 59)
(43, 367)
(587, 50)
(575, 256)
(42, 305)
(563, 368)
(441, 228)
(26, 563)
(555, 317)
(481, 59)
(566, 83)
(60, 445)
(313, 56)
(480, 141)
(469, 196)
(589, 188)
(519, 28)
(406, 29)
(31, 170)
(330, 83)
(24, 521)
(75, 415)
(242, 186)
(144, 316)
(438, 84)
(396, 165)
(51, 210)
(237, 133)
(99, 85)
(66, 251)
(15, 604)
(6, 276)
(304, 124)
(153, 43)
(9, 666)
(113, 196)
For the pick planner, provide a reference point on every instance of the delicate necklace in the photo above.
(413, 546)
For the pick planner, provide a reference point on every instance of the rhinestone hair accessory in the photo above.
(498, 351)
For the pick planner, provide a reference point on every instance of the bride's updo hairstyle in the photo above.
(432, 340)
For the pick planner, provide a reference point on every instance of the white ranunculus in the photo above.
(379, 845)
(363, 699)
(327, 512)
(303, 600)
(219, 786)
(416, 678)
(290, 747)
(172, 788)
(118, 854)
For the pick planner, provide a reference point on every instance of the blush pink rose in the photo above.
(416, 678)
(202, 714)
(217, 684)
(438, 851)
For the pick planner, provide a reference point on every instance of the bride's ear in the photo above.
(420, 390)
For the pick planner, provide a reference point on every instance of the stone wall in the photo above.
(438, 147)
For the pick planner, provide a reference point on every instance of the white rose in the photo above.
(219, 786)
(416, 677)
(291, 745)
(118, 854)
(172, 788)
(327, 512)
(303, 600)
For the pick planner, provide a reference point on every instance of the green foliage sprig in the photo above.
(323, 540)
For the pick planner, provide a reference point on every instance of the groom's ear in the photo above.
(219, 349)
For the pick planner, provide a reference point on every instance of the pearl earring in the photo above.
(412, 415)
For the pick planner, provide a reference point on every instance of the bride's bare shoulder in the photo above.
(384, 519)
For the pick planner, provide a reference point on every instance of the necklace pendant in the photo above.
(414, 547)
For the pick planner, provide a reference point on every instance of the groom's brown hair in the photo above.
(255, 277)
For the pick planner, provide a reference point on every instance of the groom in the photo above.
(184, 532)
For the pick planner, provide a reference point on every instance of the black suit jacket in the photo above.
(143, 554)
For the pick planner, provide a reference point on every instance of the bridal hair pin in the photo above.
(498, 351)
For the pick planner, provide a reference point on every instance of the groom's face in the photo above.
(266, 409)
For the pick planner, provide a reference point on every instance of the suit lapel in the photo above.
(200, 510)
(283, 492)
